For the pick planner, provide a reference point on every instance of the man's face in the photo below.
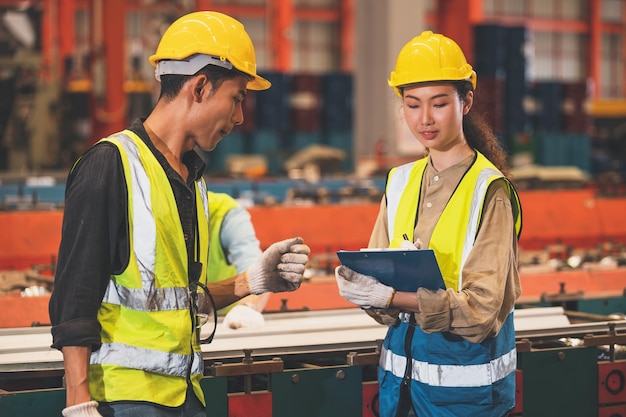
(218, 111)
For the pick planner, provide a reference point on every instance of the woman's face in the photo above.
(434, 113)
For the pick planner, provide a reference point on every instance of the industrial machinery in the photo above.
(323, 363)
(29, 104)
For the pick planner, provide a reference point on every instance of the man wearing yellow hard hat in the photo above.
(131, 290)
(448, 352)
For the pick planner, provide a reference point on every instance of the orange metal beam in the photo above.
(617, 28)
(346, 23)
(21, 247)
(320, 293)
(20, 311)
(328, 15)
(303, 13)
(476, 15)
(49, 39)
(203, 5)
(281, 23)
(600, 283)
(108, 71)
(237, 11)
(595, 47)
(476, 11)
(31, 237)
(456, 19)
(66, 11)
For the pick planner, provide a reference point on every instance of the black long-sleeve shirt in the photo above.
(95, 235)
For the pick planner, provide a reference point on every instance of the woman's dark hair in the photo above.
(479, 134)
(171, 84)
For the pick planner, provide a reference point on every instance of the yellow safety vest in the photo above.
(457, 219)
(149, 350)
(477, 373)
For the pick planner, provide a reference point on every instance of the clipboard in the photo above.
(402, 269)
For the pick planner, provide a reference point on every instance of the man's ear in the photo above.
(199, 84)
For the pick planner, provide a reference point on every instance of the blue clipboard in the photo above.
(404, 270)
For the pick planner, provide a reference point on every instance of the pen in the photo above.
(409, 243)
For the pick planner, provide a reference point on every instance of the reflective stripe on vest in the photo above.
(451, 375)
(146, 299)
(150, 360)
(398, 178)
(478, 197)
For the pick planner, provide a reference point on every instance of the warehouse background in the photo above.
(310, 160)
(551, 79)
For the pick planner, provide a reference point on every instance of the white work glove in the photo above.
(362, 290)
(88, 409)
(243, 315)
(280, 267)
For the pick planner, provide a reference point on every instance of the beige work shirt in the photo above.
(491, 283)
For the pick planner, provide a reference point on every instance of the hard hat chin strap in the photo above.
(189, 66)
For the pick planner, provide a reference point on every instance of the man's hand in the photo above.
(280, 267)
(363, 290)
(88, 409)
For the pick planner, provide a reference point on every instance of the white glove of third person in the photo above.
(362, 290)
(243, 315)
(280, 267)
(88, 409)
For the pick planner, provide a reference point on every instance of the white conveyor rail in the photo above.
(290, 333)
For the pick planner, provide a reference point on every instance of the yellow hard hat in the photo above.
(430, 57)
(201, 38)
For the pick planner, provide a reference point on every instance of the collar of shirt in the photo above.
(451, 174)
(191, 159)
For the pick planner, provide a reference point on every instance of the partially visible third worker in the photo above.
(449, 352)
(234, 247)
(131, 294)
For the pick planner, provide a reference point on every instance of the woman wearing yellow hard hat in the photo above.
(449, 351)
